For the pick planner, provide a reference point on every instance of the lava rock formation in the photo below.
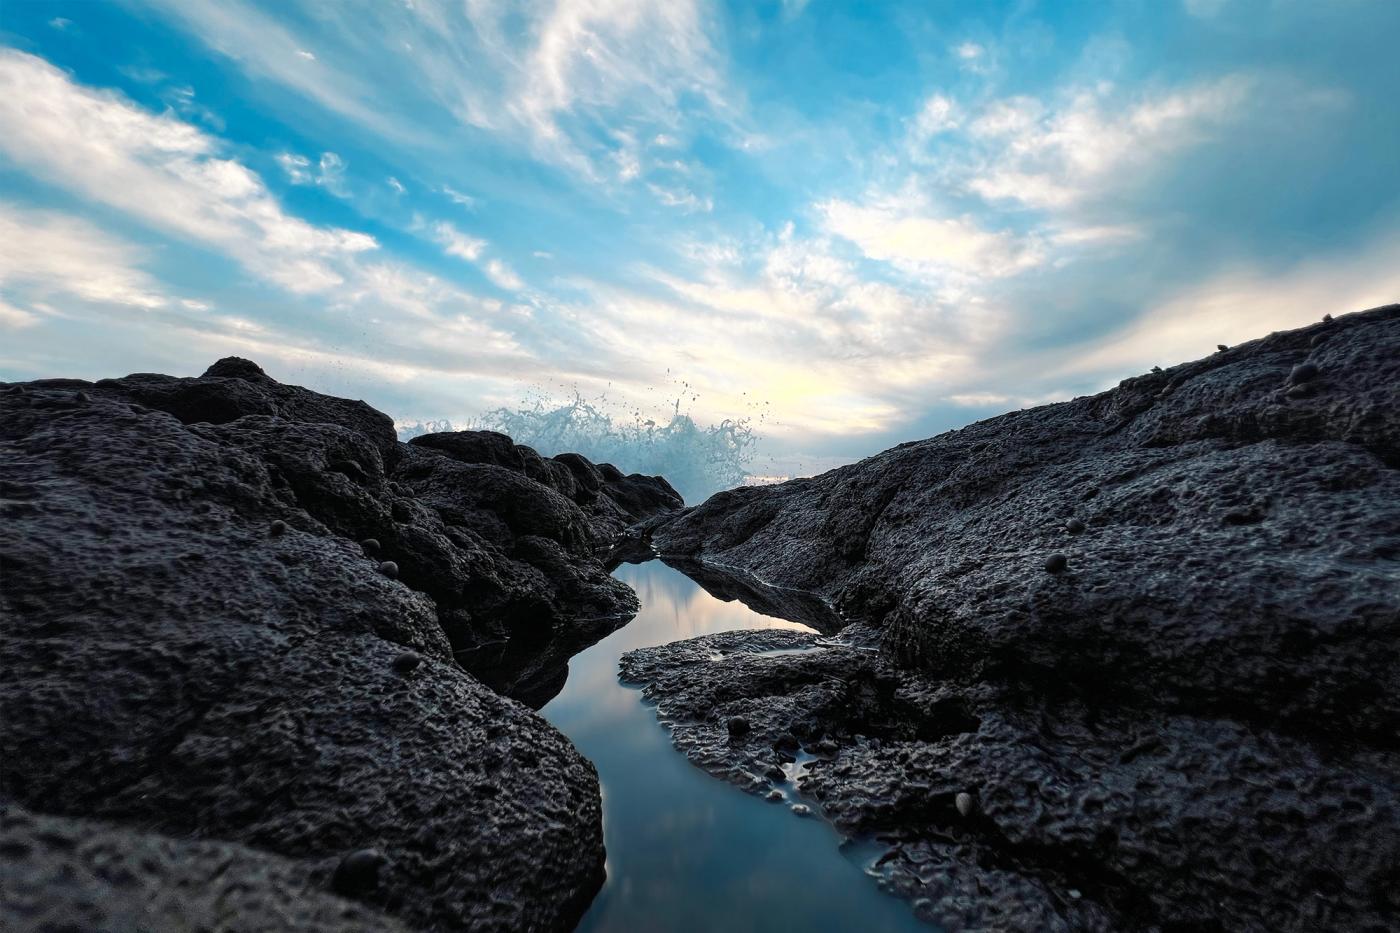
(236, 619)
(1130, 661)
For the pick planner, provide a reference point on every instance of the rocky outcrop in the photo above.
(234, 612)
(1136, 656)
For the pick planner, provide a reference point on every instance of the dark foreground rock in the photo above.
(231, 611)
(1138, 654)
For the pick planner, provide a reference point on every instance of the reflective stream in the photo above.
(687, 851)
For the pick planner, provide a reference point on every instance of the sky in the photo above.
(863, 223)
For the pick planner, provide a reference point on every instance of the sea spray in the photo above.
(697, 460)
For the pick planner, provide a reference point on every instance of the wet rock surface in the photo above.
(201, 643)
(1137, 653)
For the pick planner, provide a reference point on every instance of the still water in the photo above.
(686, 851)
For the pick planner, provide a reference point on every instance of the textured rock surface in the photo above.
(1193, 724)
(66, 874)
(196, 643)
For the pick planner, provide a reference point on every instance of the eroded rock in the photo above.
(1190, 723)
(198, 644)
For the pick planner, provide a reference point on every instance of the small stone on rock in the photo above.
(774, 796)
(801, 809)
(389, 569)
(738, 725)
(370, 546)
(965, 804)
(1221, 347)
(1074, 526)
(358, 872)
(278, 527)
(1056, 563)
(1303, 372)
(407, 662)
(1156, 369)
(1327, 319)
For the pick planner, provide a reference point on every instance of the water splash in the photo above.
(697, 460)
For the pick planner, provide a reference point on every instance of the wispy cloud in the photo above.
(46, 255)
(164, 171)
(328, 173)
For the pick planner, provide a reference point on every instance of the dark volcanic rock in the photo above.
(67, 874)
(1192, 724)
(197, 645)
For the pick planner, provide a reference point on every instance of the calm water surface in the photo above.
(686, 851)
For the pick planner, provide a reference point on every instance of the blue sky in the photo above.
(871, 222)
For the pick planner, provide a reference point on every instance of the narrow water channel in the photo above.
(686, 851)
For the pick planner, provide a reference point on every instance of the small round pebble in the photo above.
(358, 872)
(1074, 526)
(389, 569)
(965, 804)
(407, 662)
(370, 546)
(774, 796)
(277, 528)
(1221, 347)
(1327, 319)
(1056, 563)
(738, 725)
(801, 809)
(1303, 372)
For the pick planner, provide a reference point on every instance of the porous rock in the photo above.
(174, 665)
(1193, 728)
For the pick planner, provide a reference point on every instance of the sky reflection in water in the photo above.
(686, 851)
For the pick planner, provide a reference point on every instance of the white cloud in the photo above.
(169, 176)
(456, 243)
(1051, 158)
(889, 232)
(938, 115)
(473, 249)
(457, 197)
(267, 49)
(163, 171)
(502, 274)
(329, 172)
(685, 199)
(542, 74)
(15, 318)
(600, 54)
(302, 53)
(59, 23)
(46, 254)
(396, 185)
